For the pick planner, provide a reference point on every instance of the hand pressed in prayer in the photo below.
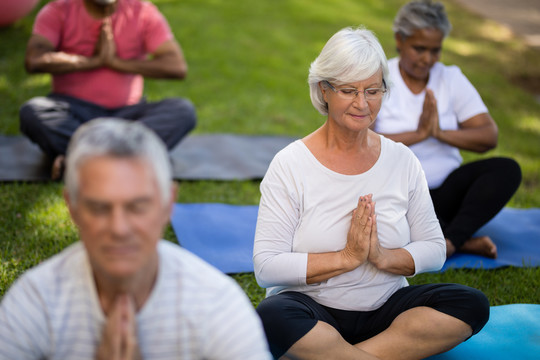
(358, 238)
(106, 47)
(119, 337)
(376, 251)
(429, 119)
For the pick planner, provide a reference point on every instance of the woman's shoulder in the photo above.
(447, 71)
(290, 152)
(292, 162)
(392, 146)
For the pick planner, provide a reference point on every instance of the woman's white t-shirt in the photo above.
(307, 208)
(457, 101)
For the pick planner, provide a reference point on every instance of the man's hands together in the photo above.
(119, 337)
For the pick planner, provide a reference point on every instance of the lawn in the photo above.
(248, 64)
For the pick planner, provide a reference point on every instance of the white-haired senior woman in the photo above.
(345, 215)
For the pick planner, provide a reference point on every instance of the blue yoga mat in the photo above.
(516, 232)
(223, 235)
(512, 332)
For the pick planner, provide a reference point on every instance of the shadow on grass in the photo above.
(34, 226)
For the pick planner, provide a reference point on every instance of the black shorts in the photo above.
(289, 316)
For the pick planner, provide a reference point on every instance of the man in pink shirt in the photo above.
(98, 52)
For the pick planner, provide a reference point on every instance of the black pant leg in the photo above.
(171, 119)
(473, 194)
(50, 121)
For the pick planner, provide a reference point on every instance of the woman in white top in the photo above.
(436, 111)
(345, 215)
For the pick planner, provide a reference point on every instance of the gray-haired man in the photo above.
(121, 292)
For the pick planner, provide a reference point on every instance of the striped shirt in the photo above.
(194, 312)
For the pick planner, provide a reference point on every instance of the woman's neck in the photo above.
(348, 155)
(414, 84)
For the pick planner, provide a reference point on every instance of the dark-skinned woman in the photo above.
(437, 112)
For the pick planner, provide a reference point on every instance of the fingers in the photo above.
(106, 48)
(106, 26)
(118, 320)
(431, 102)
(358, 238)
(361, 213)
(129, 332)
(111, 337)
(374, 237)
(364, 218)
(361, 222)
(119, 337)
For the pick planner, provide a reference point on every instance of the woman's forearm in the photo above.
(323, 266)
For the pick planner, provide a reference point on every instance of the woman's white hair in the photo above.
(350, 55)
(117, 138)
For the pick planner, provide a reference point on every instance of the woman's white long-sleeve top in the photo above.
(307, 208)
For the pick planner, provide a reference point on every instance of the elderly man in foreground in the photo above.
(121, 292)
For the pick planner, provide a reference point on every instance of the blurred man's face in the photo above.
(120, 215)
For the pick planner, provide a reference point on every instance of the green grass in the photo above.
(248, 64)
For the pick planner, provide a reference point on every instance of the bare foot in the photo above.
(58, 167)
(482, 245)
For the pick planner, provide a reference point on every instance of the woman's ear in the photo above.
(323, 91)
(399, 41)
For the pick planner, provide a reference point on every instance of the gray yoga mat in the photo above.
(225, 156)
(21, 160)
(197, 157)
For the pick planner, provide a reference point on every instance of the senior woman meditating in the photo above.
(345, 215)
(437, 112)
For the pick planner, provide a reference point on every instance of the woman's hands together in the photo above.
(428, 124)
(362, 246)
(362, 240)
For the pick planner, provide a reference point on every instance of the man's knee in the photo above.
(28, 118)
(36, 111)
(186, 111)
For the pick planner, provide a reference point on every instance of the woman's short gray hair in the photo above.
(117, 138)
(421, 14)
(350, 55)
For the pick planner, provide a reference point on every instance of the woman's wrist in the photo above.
(348, 262)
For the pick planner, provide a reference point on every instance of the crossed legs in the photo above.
(415, 322)
(415, 334)
(51, 121)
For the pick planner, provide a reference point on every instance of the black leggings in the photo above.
(472, 195)
(288, 316)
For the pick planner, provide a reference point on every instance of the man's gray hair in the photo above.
(117, 138)
(418, 15)
(350, 55)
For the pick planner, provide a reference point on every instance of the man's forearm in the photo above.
(61, 62)
(171, 68)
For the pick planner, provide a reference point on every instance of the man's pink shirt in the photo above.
(139, 29)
